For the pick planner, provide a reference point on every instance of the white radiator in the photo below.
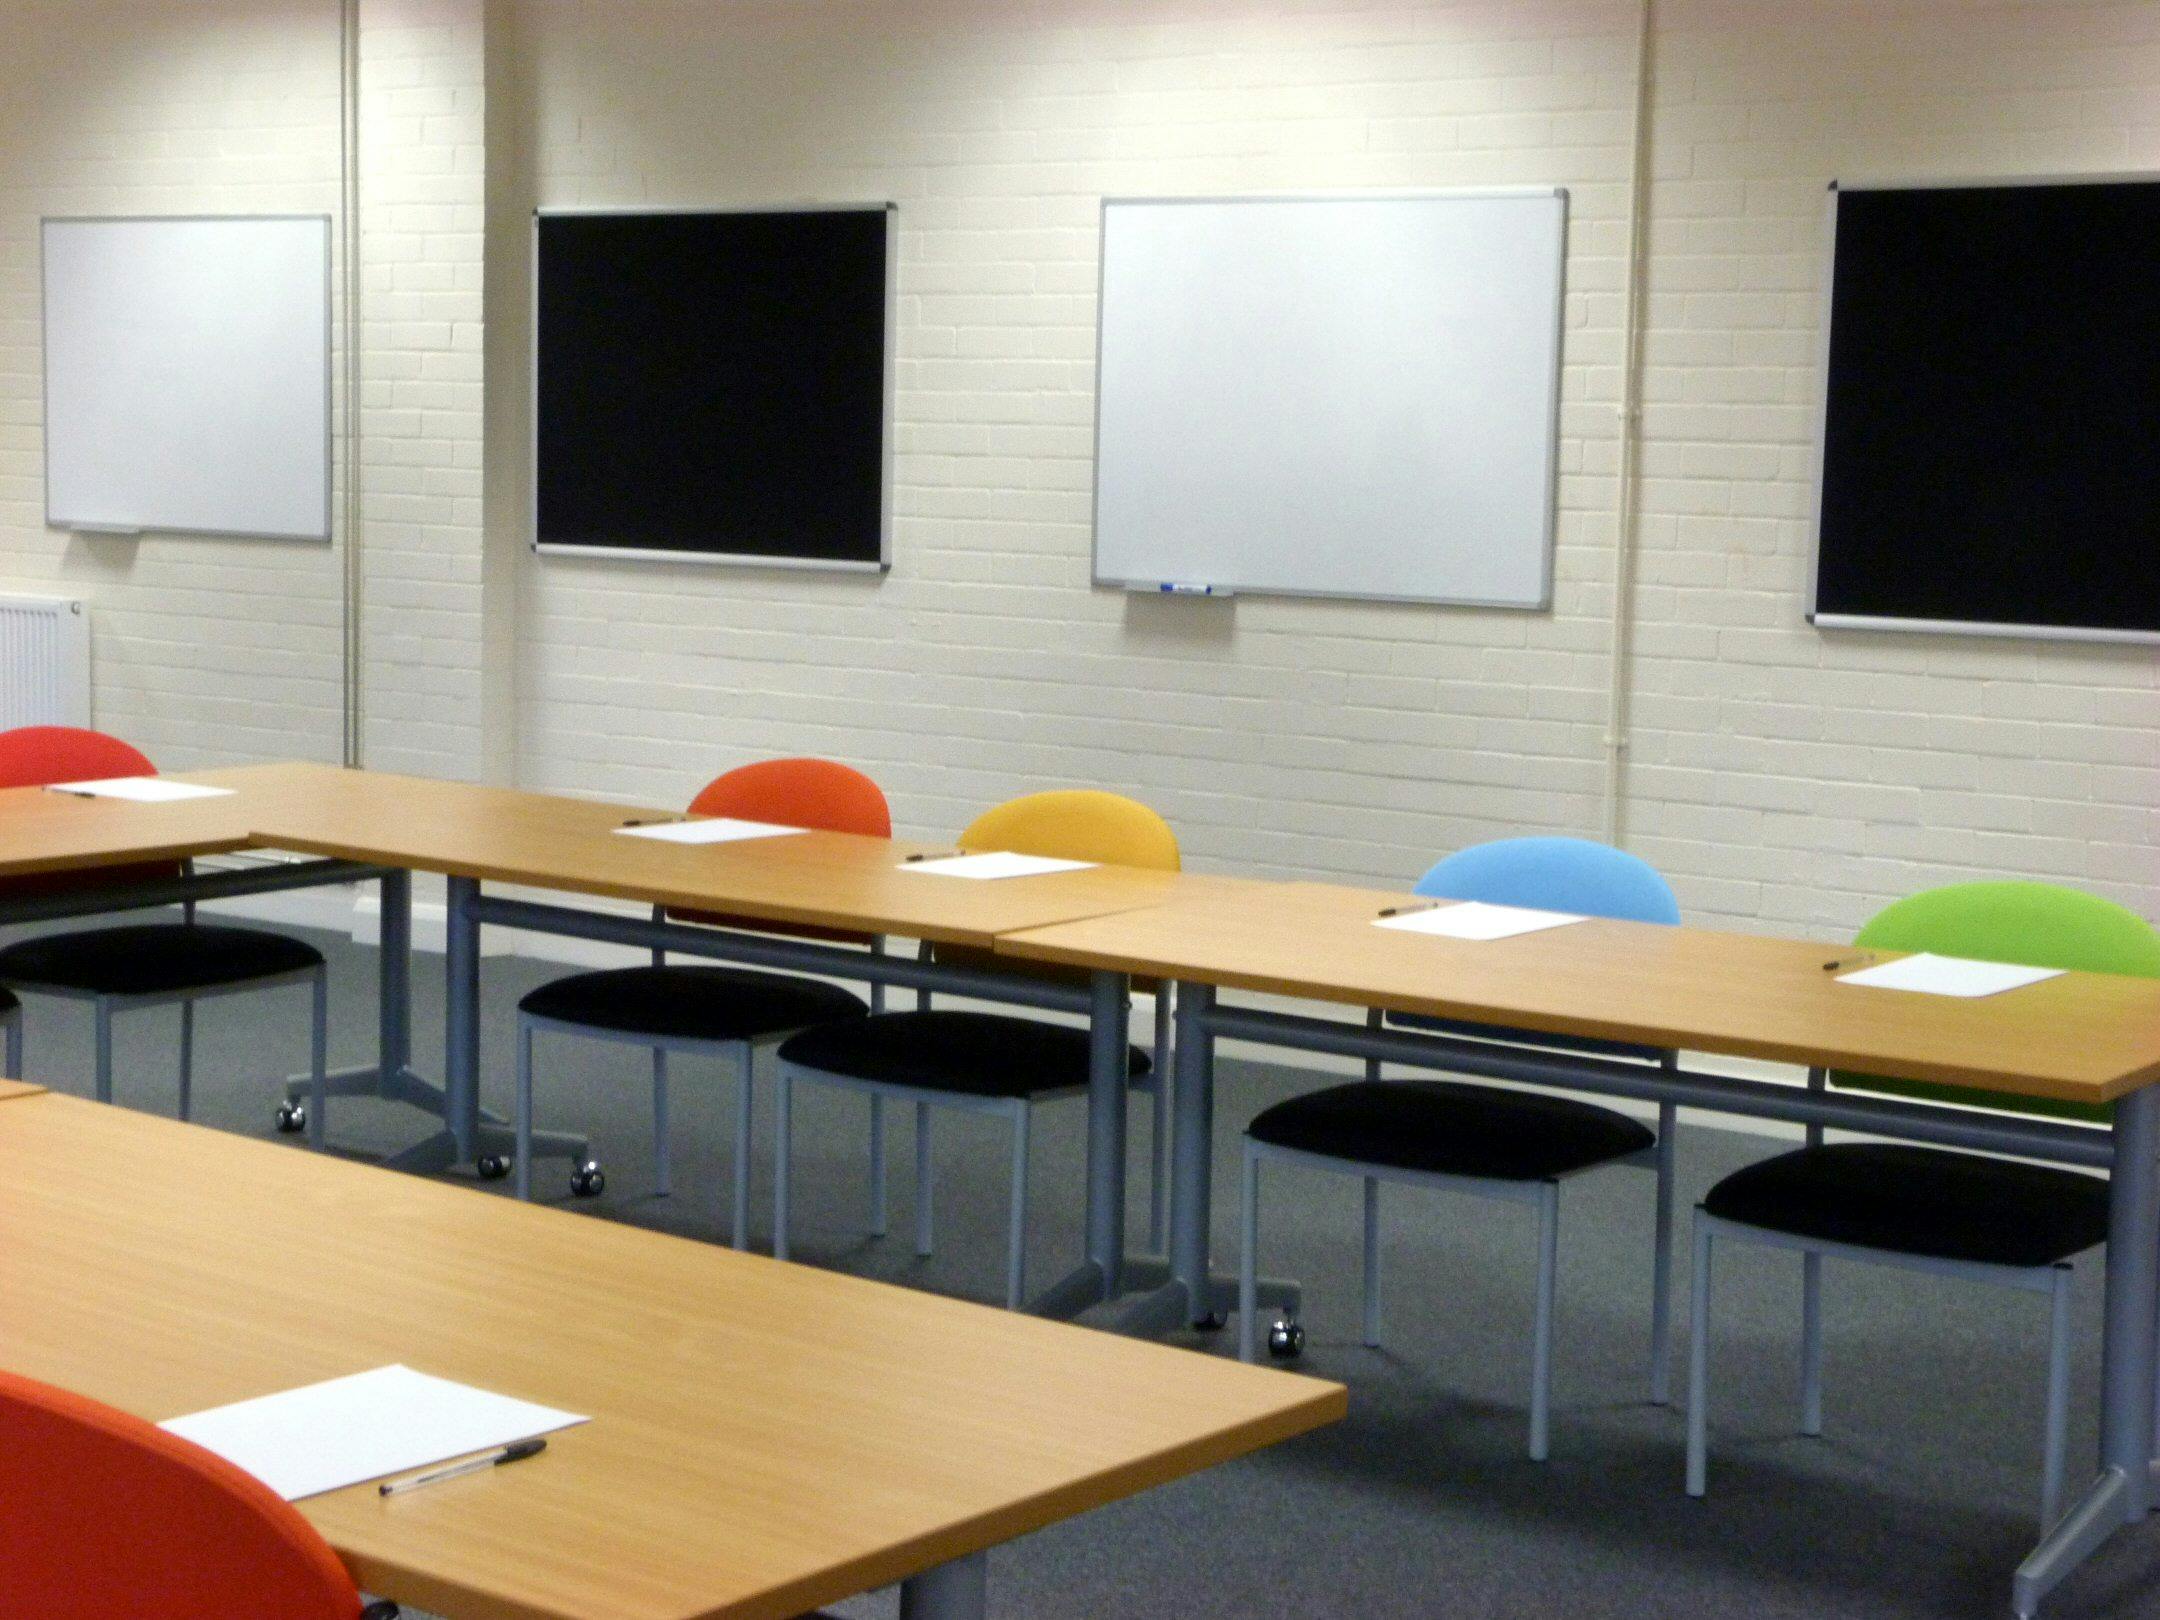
(44, 662)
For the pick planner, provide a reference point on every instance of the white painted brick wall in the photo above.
(1291, 737)
(205, 649)
(423, 200)
(1785, 779)
(1793, 779)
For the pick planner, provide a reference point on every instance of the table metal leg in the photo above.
(2123, 1494)
(1101, 1275)
(955, 1591)
(1193, 1294)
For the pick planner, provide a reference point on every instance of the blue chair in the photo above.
(1488, 1141)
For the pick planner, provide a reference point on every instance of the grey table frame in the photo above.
(2127, 1486)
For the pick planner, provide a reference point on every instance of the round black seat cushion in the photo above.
(153, 958)
(692, 1002)
(977, 1054)
(1448, 1128)
(1919, 1200)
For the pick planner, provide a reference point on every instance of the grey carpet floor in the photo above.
(1917, 1503)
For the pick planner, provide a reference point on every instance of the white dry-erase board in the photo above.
(187, 375)
(1331, 396)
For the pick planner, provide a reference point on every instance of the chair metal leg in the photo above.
(187, 1059)
(661, 1145)
(1698, 1384)
(1159, 1143)
(15, 1047)
(1811, 1350)
(1661, 1266)
(103, 1020)
(318, 1121)
(745, 1111)
(783, 1160)
(521, 1162)
(1372, 1262)
(878, 1199)
(923, 1188)
(1541, 1344)
(1016, 1239)
(1248, 1333)
(2058, 1399)
(1374, 1019)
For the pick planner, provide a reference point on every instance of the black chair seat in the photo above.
(1448, 1128)
(153, 959)
(8, 1003)
(1919, 1200)
(694, 1003)
(970, 1053)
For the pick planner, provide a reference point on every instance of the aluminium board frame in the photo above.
(1224, 588)
(1989, 629)
(718, 559)
(331, 467)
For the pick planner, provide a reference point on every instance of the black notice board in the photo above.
(714, 384)
(1991, 432)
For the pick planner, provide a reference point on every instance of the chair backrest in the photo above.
(821, 794)
(1555, 874)
(1077, 824)
(38, 756)
(2034, 924)
(111, 1518)
(818, 793)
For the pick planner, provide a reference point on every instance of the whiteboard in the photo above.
(187, 375)
(1331, 396)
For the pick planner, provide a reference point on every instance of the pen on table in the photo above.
(472, 1465)
(1840, 963)
(1404, 911)
(654, 821)
(932, 855)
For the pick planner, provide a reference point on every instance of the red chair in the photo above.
(707, 1008)
(142, 964)
(111, 1518)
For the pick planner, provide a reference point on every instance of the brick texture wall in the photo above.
(204, 649)
(1785, 778)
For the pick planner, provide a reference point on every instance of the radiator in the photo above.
(44, 662)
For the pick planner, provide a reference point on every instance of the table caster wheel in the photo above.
(291, 1118)
(1286, 1340)
(492, 1166)
(588, 1180)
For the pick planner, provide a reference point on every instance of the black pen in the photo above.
(1404, 911)
(1839, 964)
(656, 821)
(472, 1465)
(933, 855)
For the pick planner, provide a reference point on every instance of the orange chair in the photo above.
(111, 1518)
(142, 964)
(708, 1008)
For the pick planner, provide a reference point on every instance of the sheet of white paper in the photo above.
(1474, 919)
(1933, 975)
(994, 866)
(717, 830)
(141, 789)
(326, 1436)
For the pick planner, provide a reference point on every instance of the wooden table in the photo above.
(474, 835)
(2081, 1037)
(766, 1438)
(10, 1090)
(62, 855)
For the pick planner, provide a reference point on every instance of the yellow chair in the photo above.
(985, 1062)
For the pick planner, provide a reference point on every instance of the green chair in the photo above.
(1966, 1215)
